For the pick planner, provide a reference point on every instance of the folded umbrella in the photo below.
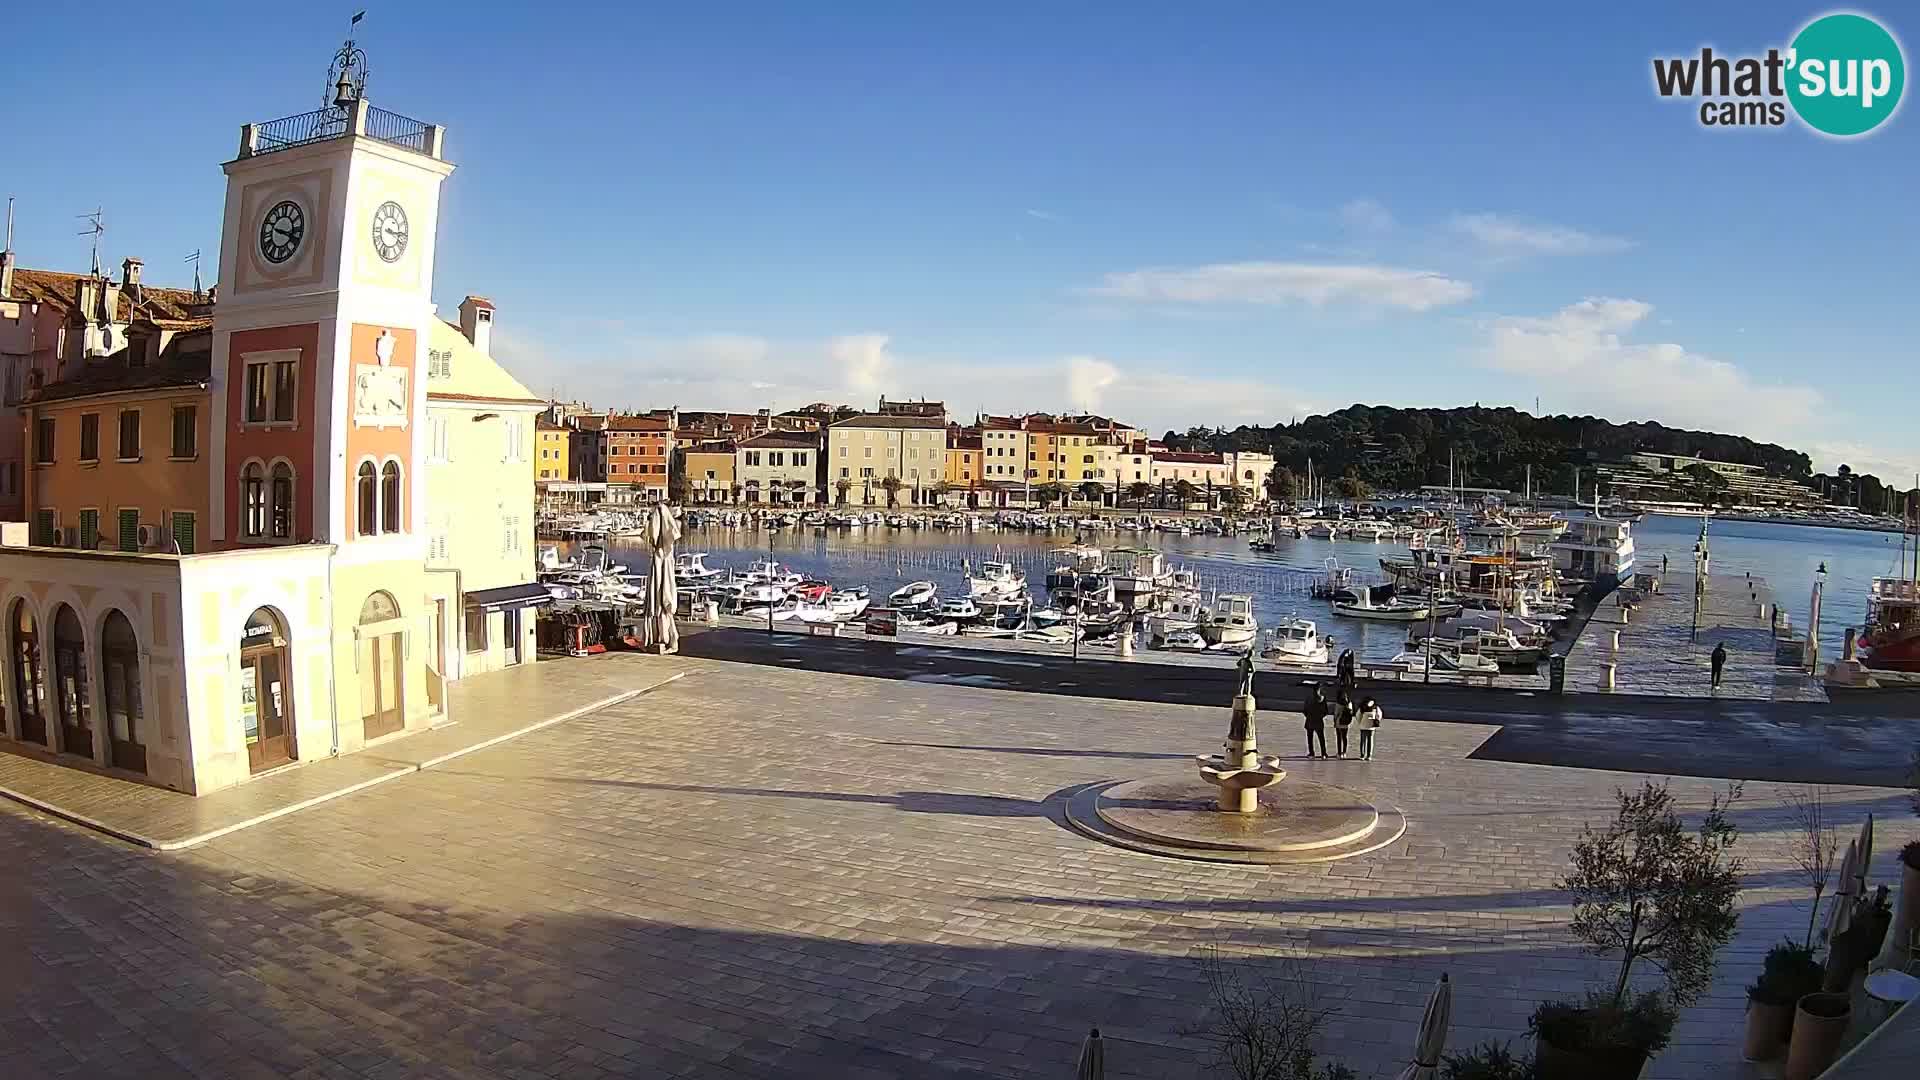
(1093, 1058)
(1432, 1041)
(1840, 914)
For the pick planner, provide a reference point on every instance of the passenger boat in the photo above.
(1378, 602)
(1229, 621)
(1891, 639)
(1595, 549)
(1295, 641)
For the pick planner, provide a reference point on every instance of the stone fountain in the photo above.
(1237, 809)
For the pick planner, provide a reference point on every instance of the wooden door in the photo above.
(70, 675)
(266, 707)
(380, 676)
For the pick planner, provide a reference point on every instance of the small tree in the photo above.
(940, 489)
(1280, 484)
(1184, 491)
(1644, 888)
(1048, 494)
(1232, 498)
(891, 485)
(736, 491)
(1140, 491)
(1265, 1025)
(1814, 844)
(1091, 492)
(840, 489)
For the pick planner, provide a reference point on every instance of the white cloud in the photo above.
(742, 372)
(1366, 215)
(1043, 215)
(1510, 237)
(1897, 468)
(1276, 283)
(1581, 356)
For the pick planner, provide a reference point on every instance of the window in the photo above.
(799, 457)
(776, 457)
(476, 630)
(753, 457)
(257, 393)
(284, 374)
(868, 473)
(43, 441)
(437, 438)
(90, 437)
(367, 495)
(45, 522)
(869, 451)
(390, 497)
(130, 435)
(89, 530)
(129, 530)
(514, 431)
(183, 531)
(253, 500)
(843, 451)
(711, 475)
(186, 431)
(283, 501)
(843, 471)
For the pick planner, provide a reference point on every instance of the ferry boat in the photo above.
(1595, 549)
(1891, 638)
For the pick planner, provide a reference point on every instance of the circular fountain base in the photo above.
(1298, 821)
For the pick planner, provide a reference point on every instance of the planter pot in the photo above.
(1555, 1062)
(1768, 1028)
(1819, 1024)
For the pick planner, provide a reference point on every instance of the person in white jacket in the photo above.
(1369, 722)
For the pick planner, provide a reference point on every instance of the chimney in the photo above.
(6, 273)
(130, 272)
(476, 322)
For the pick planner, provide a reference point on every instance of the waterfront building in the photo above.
(922, 407)
(585, 462)
(710, 472)
(1205, 471)
(965, 464)
(550, 445)
(780, 467)
(1248, 471)
(635, 452)
(1671, 479)
(321, 600)
(866, 449)
(1007, 446)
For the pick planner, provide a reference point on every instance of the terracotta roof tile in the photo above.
(57, 289)
(187, 361)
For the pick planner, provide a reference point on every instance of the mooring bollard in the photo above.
(1126, 643)
(1616, 641)
(1610, 666)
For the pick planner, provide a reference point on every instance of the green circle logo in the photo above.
(1845, 74)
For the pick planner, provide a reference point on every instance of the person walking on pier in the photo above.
(1342, 720)
(1345, 669)
(1719, 661)
(1369, 720)
(1316, 714)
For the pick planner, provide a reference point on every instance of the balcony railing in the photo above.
(334, 122)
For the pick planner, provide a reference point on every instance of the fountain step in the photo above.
(1298, 822)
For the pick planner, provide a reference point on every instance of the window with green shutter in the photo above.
(43, 527)
(89, 530)
(183, 531)
(129, 530)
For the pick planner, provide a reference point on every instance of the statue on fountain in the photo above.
(1241, 772)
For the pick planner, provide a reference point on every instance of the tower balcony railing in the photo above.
(338, 122)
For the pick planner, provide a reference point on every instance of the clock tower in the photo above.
(318, 390)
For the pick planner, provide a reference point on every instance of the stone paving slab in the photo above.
(483, 710)
(755, 872)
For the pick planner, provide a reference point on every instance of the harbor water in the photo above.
(1281, 581)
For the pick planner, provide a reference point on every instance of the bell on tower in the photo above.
(347, 76)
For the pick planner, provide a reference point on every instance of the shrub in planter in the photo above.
(1790, 973)
(1910, 856)
(1488, 1061)
(1599, 1039)
(1852, 948)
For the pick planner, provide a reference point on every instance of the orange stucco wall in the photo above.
(266, 444)
(156, 485)
(381, 443)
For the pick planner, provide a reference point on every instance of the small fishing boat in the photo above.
(690, 568)
(849, 604)
(960, 607)
(1378, 602)
(1185, 641)
(913, 594)
(1229, 621)
(996, 579)
(1468, 663)
(1295, 641)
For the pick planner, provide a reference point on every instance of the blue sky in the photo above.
(1236, 214)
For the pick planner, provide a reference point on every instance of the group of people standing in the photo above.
(1347, 710)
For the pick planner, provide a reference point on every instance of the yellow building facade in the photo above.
(550, 461)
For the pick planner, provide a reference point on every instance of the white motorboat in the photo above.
(1077, 564)
(1143, 572)
(1173, 612)
(960, 607)
(1444, 660)
(929, 626)
(996, 579)
(1595, 549)
(913, 594)
(1320, 530)
(744, 594)
(1378, 602)
(772, 573)
(1050, 635)
(1229, 621)
(1185, 641)
(848, 604)
(690, 568)
(1295, 641)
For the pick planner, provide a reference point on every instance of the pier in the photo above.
(1660, 651)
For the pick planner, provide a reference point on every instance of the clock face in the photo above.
(282, 230)
(390, 231)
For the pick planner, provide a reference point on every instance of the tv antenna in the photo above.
(96, 226)
(195, 260)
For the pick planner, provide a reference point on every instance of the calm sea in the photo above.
(1279, 581)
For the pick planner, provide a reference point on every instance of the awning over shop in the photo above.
(507, 596)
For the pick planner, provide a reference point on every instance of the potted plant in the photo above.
(1488, 1061)
(1789, 974)
(1644, 888)
(1819, 1024)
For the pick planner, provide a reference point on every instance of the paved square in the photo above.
(764, 873)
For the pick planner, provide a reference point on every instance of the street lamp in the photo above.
(1813, 619)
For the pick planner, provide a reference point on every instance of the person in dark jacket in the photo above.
(1719, 663)
(1342, 720)
(1345, 669)
(1316, 714)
